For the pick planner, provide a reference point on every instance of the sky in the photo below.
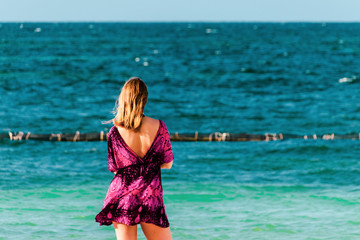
(180, 10)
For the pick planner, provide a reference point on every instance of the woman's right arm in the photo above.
(167, 165)
(168, 154)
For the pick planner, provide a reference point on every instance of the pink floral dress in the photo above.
(135, 193)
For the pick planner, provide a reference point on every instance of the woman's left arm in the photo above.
(111, 158)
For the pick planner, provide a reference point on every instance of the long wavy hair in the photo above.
(129, 106)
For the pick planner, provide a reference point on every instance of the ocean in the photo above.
(291, 78)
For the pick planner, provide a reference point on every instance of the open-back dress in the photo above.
(135, 193)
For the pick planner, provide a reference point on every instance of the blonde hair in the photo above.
(129, 106)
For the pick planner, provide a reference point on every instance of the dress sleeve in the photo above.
(111, 158)
(168, 154)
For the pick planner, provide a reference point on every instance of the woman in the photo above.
(138, 147)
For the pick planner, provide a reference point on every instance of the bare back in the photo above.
(141, 140)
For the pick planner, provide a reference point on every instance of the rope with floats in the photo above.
(185, 137)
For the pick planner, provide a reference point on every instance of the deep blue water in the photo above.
(205, 77)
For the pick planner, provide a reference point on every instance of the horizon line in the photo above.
(184, 21)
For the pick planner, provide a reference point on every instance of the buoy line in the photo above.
(185, 137)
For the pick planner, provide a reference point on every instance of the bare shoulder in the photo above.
(151, 123)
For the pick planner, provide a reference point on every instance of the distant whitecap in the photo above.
(37, 30)
(21, 26)
(156, 51)
(347, 80)
(137, 59)
(91, 26)
(341, 41)
(146, 64)
(217, 52)
(210, 31)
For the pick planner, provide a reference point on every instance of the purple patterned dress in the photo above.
(135, 193)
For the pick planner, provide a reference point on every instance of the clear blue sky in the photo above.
(179, 10)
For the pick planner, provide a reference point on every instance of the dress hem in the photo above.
(104, 223)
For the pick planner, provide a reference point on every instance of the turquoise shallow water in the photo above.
(204, 77)
(228, 192)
